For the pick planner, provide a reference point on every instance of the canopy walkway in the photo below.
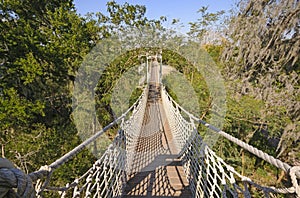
(158, 152)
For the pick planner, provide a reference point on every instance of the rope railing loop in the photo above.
(43, 185)
(43, 171)
(295, 179)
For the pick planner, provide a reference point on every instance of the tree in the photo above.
(42, 45)
(206, 24)
(262, 58)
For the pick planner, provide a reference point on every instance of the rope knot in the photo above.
(12, 178)
(293, 171)
(46, 168)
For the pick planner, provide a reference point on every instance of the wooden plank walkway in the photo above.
(156, 170)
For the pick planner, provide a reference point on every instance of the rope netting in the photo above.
(208, 174)
(107, 177)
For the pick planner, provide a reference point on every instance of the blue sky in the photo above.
(185, 10)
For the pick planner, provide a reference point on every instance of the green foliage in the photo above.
(135, 95)
(243, 114)
(42, 45)
(267, 68)
(31, 68)
(187, 80)
(17, 112)
(109, 80)
(205, 23)
(246, 120)
(215, 51)
(133, 15)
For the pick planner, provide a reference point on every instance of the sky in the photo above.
(185, 10)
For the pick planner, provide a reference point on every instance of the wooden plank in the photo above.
(156, 170)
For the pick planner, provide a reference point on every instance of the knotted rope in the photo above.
(293, 174)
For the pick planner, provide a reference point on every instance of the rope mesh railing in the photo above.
(208, 174)
(107, 177)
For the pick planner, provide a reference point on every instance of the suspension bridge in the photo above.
(158, 152)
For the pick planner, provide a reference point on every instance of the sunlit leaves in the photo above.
(16, 111)
(31, 68)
